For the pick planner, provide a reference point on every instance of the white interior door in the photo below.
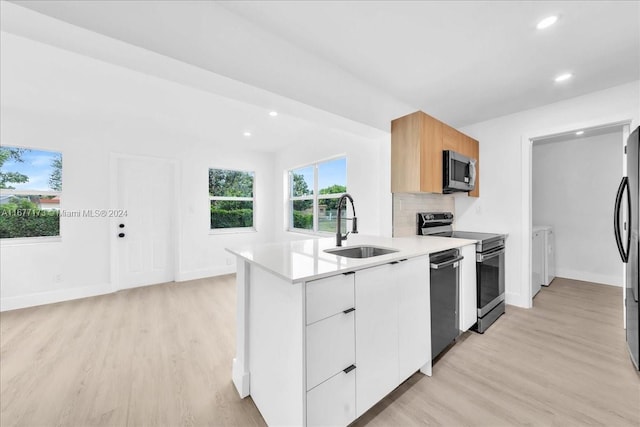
(144, 237)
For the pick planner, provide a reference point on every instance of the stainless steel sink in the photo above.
(361, 251)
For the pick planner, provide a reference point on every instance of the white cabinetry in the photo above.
(330, 347)
(326, 350)
(468, 288)
(376, 335)
(392, 327)
(414, 322)
(326, 297)
(330, 351)
(333, 402)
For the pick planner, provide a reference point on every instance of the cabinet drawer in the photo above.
(333, 402)
(326, 297)
(330, 347)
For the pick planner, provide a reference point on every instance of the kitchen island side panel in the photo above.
(276, 343)
(240, 368)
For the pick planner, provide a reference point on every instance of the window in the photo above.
(30, 192)
(231, 199)
(314, 191)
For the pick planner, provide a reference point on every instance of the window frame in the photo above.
(315, 196)
(10, 241)
(234, 230)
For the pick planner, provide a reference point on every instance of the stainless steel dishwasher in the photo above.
(444, 299)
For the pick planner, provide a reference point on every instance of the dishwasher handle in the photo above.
(446, 263)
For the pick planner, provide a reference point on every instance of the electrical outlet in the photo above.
(57, 278)
(229, 261)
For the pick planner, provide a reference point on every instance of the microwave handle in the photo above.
(472, 172)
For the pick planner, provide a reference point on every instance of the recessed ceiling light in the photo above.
(580, 132)
(273, 113)
(247, 133)
(563, 77)
(547, 22)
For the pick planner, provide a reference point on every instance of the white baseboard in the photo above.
(589, 277)
(517, 300)
(42, 298)
(183, 276)
(241, 379)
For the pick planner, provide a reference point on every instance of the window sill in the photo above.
(219, 231)
(310, 232)
(20, 241)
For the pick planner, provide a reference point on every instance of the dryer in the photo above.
(547, 266)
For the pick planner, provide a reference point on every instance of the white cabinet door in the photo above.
(414, 318)
(332, 403)
(468, 288)
(376, 335)
(330, 347)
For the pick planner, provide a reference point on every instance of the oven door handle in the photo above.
(484, 257)
(446, 263)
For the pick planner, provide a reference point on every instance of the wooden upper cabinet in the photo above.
(416, 154)
(417, 142)
(452, 139)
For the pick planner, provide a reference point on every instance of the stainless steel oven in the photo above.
(490, 264)
(490, 283)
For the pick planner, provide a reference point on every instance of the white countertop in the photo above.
(304, 260)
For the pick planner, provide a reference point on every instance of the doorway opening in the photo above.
(570, 177)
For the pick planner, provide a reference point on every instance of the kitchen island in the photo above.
(321, 338)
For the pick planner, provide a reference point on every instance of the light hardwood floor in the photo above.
(161, 355)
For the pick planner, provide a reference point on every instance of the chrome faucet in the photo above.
(354, 220)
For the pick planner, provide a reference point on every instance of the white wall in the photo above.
(90, 110)
(503, 206)
(56, 100)
(202, 253)
(574, 184)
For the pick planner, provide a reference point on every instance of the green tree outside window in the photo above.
(314, 192)
(28, 207)
(231, 199)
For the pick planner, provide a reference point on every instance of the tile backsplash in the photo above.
(405, 207)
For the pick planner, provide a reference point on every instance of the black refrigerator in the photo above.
(629, 194)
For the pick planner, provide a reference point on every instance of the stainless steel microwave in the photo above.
(459, 172)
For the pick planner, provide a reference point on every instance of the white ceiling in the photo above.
(465, 61)
(87, 95)
(372, 61)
